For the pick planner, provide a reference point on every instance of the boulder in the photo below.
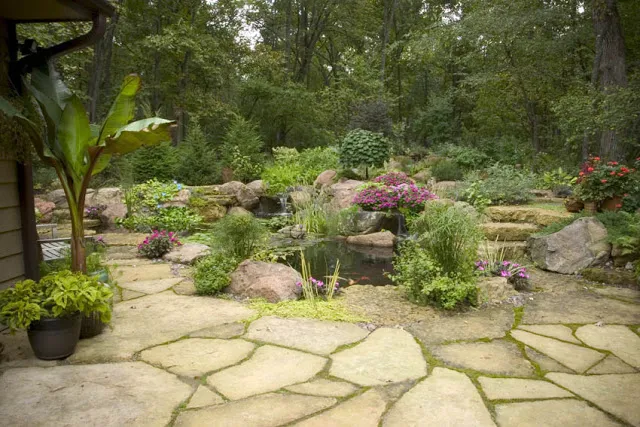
(245, 196)
(187, 253)
(45, 208)
(212, 212)
(368, 222)
(180, 200)
(422, 176)
(57, 197)
(237, 210)
(325, 178)
(271, 281)
(616, 277)
(258, 187)
(542, 193)
(533, 215)
(112, 198)
(494, 290)
(344, 192)
(382, 239)
(293, 231)
(579, 245)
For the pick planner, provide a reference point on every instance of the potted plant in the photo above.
(604, 183)
(51, 310)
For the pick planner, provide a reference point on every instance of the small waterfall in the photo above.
(283, 197)
(402, 226)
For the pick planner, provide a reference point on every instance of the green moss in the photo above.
(611, 277)
(321, 310)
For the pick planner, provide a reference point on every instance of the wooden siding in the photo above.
(11, 258)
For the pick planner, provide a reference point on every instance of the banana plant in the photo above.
(76, 149)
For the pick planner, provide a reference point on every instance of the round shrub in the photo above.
(378, 197)
(361, 148)
(213, 273)
(447, 170)
(157, 244)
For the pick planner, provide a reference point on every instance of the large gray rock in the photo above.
(344, 192)
(382, 239)
(115, 394)
(243, 194)
(271, 281)
(579, 245)
(325, 178)
(258, 187)
(112, 198)
(187, 253)
(368, 222)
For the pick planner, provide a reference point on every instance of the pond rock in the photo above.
(368, 222)
(344, 192)
(293, 231)
(245, 196)
(325, 178)
(271, 281)
(237, 210)
(187, 253)
(383, 239)
(258, 187)
(579, 245)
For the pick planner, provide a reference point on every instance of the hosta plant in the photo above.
(58, 127)
(361, 148)
(157, 244)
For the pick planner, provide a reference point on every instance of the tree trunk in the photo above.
(609, 66)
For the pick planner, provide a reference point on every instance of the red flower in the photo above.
(619, 205)
(626, 194)
(620, 174)
(581, 173)
(612, 173)
(597, 159)
(604, 181)
(589, 169)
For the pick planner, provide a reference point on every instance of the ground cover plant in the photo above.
(213, 273)
(501, 185)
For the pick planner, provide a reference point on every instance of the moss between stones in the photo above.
(322, 310)
(611, 277)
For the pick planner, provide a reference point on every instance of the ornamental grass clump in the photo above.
(158, 243)
(313, 288)
(380, 197)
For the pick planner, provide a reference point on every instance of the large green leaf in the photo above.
(29, 127)
(74, 135)
(47, 81)
(122, 109)
(137, 134)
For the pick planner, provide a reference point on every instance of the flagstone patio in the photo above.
(569, 357)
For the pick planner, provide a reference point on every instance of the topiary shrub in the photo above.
(361, 148)
(447, 170)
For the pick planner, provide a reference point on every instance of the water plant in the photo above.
(313, 288)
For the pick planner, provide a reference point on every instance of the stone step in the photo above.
(512, 250)
(508, 231)
(537, 216)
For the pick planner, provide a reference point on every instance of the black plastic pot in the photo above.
(55, 338)
(91, 325)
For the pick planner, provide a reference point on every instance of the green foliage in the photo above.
(312, 215)
(373, 117)
(60, 294)
(198, 162)
(157, 244)
(150, 196)
(341, 222)
(241, 150)
(466, 157)
(332, 310)
(291, 168)
(503, 185)
(361, 148)
(446, 170)
(158, 162)
(238, 235)
(557, 178)
(276, 223)
(213, 273)
(95, 262)
(172, 218)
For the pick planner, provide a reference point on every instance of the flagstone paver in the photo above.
(204, 397)
(631, 295)
(517, 388)
(545, 362)
(361, 411)
(157, 271)
(611, 365)
(495, 357)
(618, 339)
(445, 398)
(491, 323)
(196, 356)
(560, 332)
(323, 387)
(224, 331)
(150, 286)
(617, 394)
(386, 356)
(551, 413)
(310, 335)
(269, 369)
(575, 357)
(267, 410)
(129, 294)
(155, 319)
(579, 307)
(119, 394)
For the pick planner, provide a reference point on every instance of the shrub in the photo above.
(503, 185)
(373, 116)
(361, 148)
(239, 235)
(378, 197)
(242, 149)
(173, 218)
(447, 170)
(466, 157)
(157, 244)
(555, 179)
(393, 179)
(598, 181)
(451, 237)
(213, 273)
(312, 215)
(157, 162)
(199, 164)
(150, 196)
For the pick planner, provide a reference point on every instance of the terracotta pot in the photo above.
(611, 204)
(590, 208)
(573, 205)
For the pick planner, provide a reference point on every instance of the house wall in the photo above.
(11, 248)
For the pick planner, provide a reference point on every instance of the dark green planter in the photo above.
(54, 338)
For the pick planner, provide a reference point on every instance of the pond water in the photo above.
(358, 265)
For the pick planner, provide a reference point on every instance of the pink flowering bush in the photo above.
(515, 273)
(158, 243)
(379, 197)
(394, 179)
